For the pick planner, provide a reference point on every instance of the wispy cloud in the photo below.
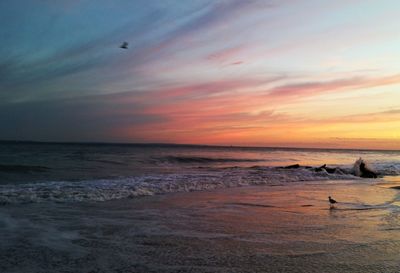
(198, 71)
(315, 88)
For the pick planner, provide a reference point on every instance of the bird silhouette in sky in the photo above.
(124, 45)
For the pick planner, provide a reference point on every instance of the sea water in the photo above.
(37, 172)
(180, 208)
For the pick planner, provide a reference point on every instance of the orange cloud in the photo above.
(229, 112)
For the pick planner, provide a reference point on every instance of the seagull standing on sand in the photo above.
(331, 202)
(124, 45)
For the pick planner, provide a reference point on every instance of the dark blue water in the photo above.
(37, 162)
(41, 171)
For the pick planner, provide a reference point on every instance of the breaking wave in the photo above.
(387, 168)
(203, 179)
(131, 187)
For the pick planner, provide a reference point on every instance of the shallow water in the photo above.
(284, 228)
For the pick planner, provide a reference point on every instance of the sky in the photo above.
(298, 73)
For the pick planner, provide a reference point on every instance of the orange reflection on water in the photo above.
(294, 218)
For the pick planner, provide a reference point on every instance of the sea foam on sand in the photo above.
(281, 228)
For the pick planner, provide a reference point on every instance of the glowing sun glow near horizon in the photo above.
(227, 72)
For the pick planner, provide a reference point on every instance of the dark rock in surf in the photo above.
(294, 166)
(327, 169)
(320, 169)
(362, 169)
(367, 173)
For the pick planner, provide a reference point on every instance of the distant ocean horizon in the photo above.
(5, 141)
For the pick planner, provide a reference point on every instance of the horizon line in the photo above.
(186, 144)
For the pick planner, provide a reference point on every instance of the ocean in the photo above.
(36, 172)
(182, 208)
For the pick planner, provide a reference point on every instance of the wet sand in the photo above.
(285, 228)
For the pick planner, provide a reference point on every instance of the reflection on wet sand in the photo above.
(251, 229)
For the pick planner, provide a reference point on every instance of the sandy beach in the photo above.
(284, 228)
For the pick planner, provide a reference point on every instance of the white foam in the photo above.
(131, 187)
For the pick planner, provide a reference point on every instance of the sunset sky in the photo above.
(297, 73)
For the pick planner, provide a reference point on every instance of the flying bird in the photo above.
(331, 202)
(124, 45)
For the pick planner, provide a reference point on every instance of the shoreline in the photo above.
(245, 229)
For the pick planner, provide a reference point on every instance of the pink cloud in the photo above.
(225, 55)
(315, 88)
(212, 112)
